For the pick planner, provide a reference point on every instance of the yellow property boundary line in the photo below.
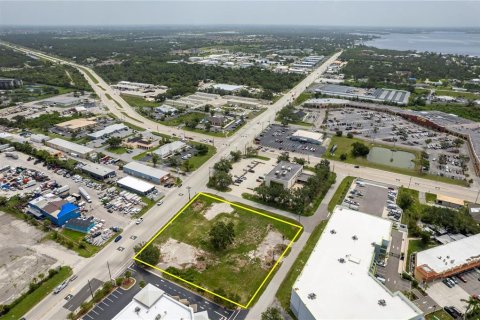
(300, 228)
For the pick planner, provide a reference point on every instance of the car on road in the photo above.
(159, 203)
(180, 194)
(73, 277)
(60, 287)
(139, 220)
(118, 238)
(356, 167)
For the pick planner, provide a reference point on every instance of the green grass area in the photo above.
(430, 197)
(118, 150)
(438, 315)
(32, 299)
(149, 204)
(109, 97)
(416, 206)
(304, 96)
(27, 93)
(340, 193)
(458, 94)
(344, 145)
(230, 272)
(139, 102)
(261, 157)
(197, 161)
(90, 75)
(284, 292)
(416, 246)
(75, 238)
(134, 127)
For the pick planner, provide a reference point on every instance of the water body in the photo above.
(442, 42)
(401, 159)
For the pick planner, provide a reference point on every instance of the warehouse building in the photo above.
(343, 259)
(152, 303)
(449, 259)
(136, 185)
(71, 148)
(285, 173)
(170, 148)
(83, 225)
(6, 83)
(57, 210)
(98, 172)
(142, 171)
(105, 132)
(307, 136)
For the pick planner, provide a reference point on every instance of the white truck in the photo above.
(62, 190)
(85, 194)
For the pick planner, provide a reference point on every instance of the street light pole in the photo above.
(90, 286)
(188, 188)
(109, 272)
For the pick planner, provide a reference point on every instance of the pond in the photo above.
(399, 159)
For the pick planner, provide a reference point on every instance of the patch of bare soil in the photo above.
(216, 209)
(180, 255)
(270, 249)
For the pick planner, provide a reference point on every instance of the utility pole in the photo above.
(188, 188)
(90, 286)
(109, 272)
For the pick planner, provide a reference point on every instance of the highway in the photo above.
(158, 216)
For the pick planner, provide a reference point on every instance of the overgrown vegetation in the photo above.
(341, 193)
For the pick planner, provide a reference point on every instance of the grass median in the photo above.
(340, 193)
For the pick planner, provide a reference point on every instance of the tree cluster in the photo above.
(360, 150)
(303, 200)
(221, 235)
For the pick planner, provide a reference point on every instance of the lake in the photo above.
(401, 159)
(442, 42)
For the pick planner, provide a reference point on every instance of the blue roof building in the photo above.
(83, 225)
(57, 210)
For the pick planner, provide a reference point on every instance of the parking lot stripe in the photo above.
(118, 291)
(107, 298)
(105, 304)
(112, 294)
(93, 310)
(98, 306)
(88, 315)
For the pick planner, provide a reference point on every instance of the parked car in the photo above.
(118, 238)
(60, 287)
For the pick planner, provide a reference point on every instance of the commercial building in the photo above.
(451, 202)
(139, 142)
(449, 259)
(227, 87)
(98, 172)
(83, 225)
(135, 185)
(105, 132)
(55, 209)
(381, 95)
(342, 261)
(284, 173)
(307, 136)
(152, 303)
(474, 210)
(167, 110)
(170, 148)
(39, 138)
(71, 148)
(145, 172)
(6, 83)
(79, 124)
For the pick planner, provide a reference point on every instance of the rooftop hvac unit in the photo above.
(284, 172)
(289, 168)
(283, 167)
(277, 172)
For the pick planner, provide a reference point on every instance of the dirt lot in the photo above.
(23, 256)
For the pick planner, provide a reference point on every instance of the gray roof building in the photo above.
(284, 173)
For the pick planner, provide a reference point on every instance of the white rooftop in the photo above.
(70, 146)
(135, 184)
(108, 130)
(151, 302)
(450, 255)
(227, 87)
(170, 148)
(308, 134)
(146, 170)
(346, 290)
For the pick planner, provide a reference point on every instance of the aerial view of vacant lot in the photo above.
(222, 247)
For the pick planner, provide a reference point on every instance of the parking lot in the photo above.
(278, 137)
(247, 173)
(446, 157)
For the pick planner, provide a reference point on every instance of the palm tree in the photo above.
(155, 159)
(473, 306)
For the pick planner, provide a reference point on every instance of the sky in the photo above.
(379, 13)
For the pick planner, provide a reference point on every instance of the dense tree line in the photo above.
(54, 75)
(12, 59)
(182, 78)
(42, 122)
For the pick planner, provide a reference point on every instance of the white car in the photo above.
(60, 287)
(139, 220)
(159, 203)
